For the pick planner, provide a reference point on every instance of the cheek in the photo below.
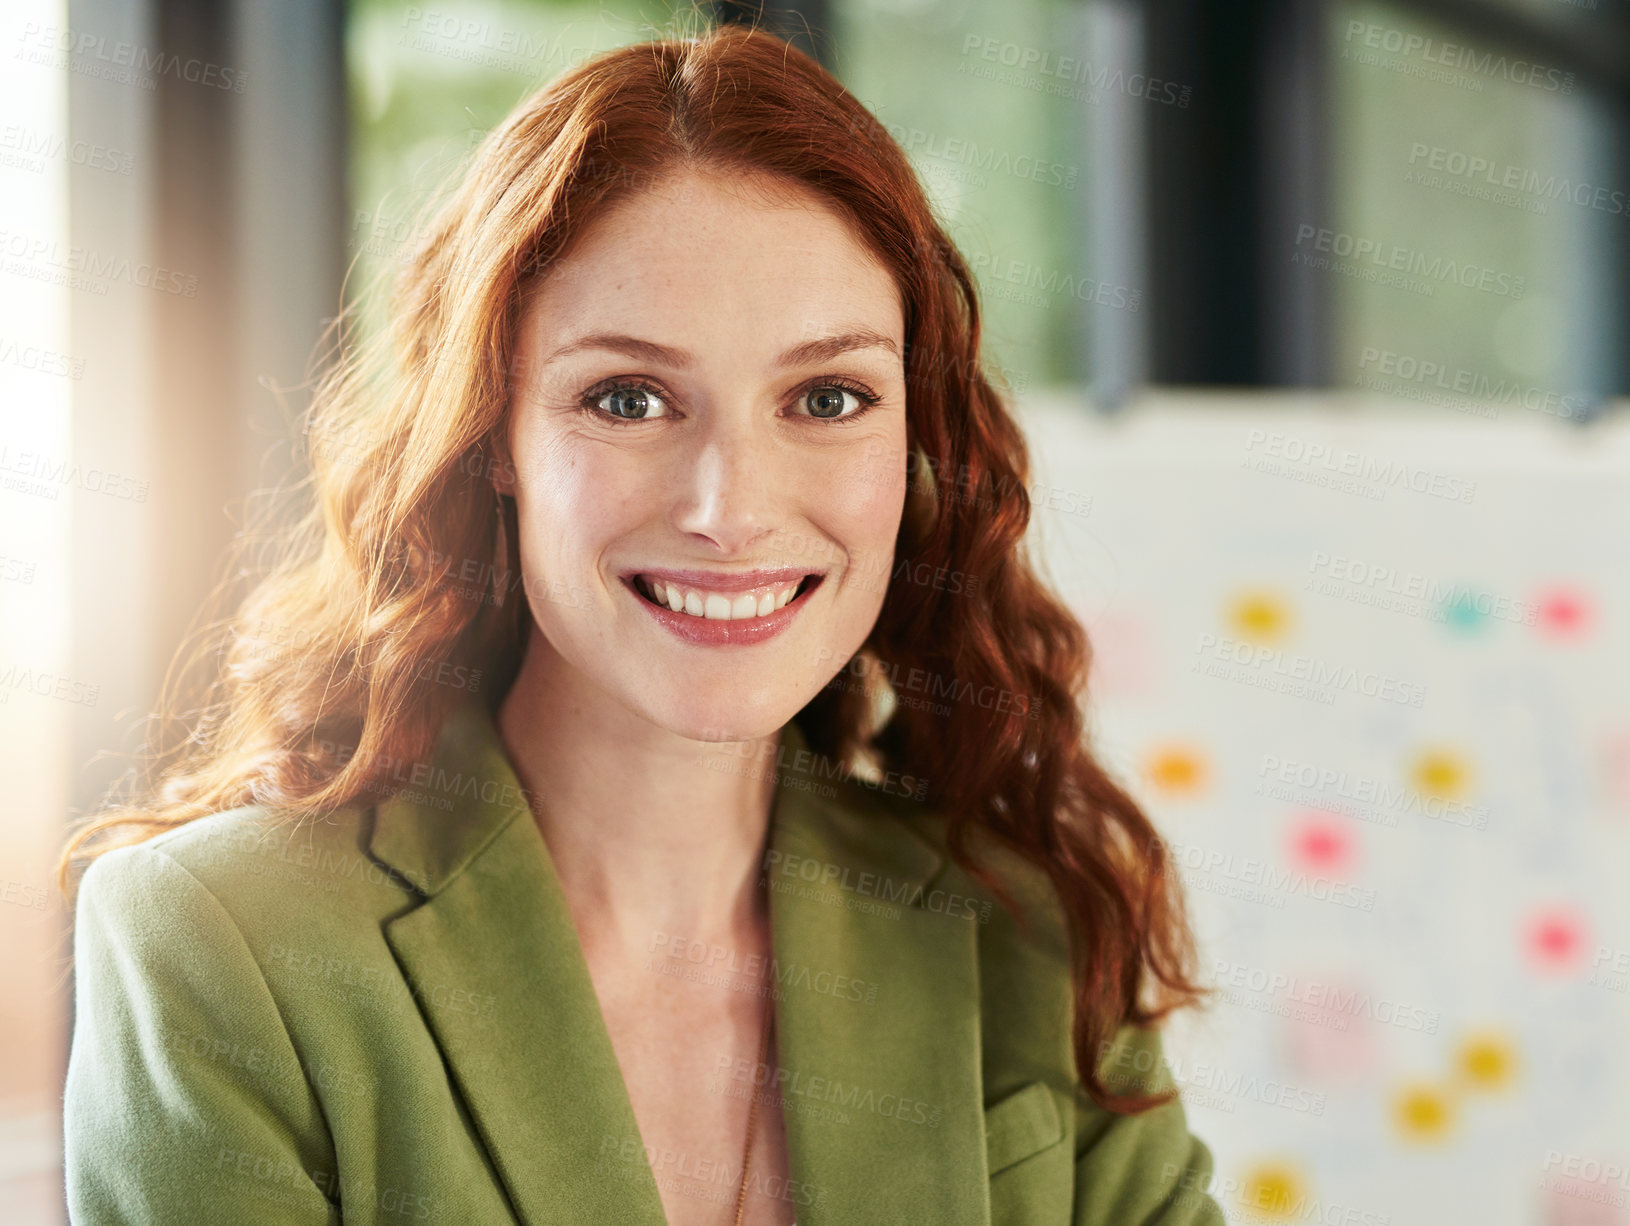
(878, 499)
(572, 498)
(862, 497)
(864, 473)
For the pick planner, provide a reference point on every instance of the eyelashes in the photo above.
(590, 403)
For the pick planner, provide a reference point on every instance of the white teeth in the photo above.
(716, 606)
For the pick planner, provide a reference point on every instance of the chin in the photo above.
(721, 722)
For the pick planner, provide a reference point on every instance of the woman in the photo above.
(652, 786)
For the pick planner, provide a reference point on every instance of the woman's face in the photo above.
(708, 410)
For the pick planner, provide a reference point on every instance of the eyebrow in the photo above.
(808, 353)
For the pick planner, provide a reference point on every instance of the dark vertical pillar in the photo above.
(1295, 126)
(1226, 176)
(1616, 376)
(196, 232)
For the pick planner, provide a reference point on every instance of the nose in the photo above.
(731, 488)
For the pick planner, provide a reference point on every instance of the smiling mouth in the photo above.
(705, 605)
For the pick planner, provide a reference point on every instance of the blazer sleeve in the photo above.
(1140, 1170)
(185, 1099)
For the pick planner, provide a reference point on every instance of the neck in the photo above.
(656, 838)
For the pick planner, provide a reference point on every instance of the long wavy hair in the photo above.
(319, 679)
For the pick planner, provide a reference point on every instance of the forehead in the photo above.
(696, 254)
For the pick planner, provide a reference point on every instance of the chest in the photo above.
(690, 1063)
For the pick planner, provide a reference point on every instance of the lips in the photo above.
(723, 596)
(708, 605)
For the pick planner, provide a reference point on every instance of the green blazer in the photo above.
(387, 1012)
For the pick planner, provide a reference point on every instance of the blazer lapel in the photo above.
(877, 1072)
(882, 1095)
(494, 962)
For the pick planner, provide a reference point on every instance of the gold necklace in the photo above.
(752, 1109)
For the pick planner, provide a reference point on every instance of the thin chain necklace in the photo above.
(752, 1109)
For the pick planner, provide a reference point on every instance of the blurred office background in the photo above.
(1316, 313)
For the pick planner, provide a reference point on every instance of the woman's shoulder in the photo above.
(268, 870)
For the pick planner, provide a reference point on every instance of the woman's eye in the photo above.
(828, 401)
(631, 404)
